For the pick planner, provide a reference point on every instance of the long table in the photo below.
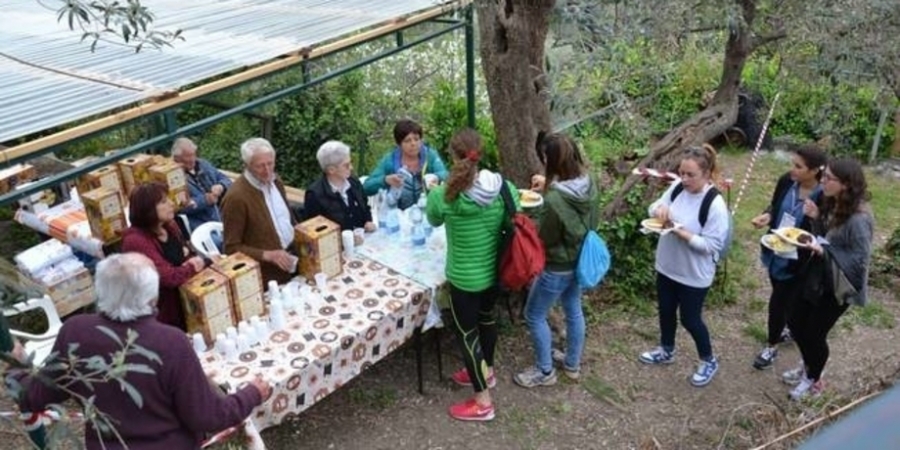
(363, 314)
(425, 264)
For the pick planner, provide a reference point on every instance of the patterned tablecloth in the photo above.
(424, 264)
(365, 313)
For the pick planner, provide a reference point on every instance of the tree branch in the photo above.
(759, 41)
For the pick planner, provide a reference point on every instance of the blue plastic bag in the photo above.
(593, 261)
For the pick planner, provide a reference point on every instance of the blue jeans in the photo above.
(548, 287)
(674, 296)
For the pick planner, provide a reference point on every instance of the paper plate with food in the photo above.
(795, 236)
(775, 243)
(530, 199)
(658, 226)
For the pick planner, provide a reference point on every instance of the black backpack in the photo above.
(710, 196)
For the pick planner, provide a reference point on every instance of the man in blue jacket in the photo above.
(206, 185)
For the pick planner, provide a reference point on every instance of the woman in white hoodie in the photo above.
(686, 259)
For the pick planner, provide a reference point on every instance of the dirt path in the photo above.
(620, 404)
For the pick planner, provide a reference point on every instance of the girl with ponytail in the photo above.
(470, 206)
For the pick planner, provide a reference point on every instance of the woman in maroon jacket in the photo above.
(153, 233)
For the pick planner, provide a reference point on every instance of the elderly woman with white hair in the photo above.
(177, 403)
(256, 217)
(337, 194)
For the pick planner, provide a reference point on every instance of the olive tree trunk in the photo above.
(512, 34)
(719, 114)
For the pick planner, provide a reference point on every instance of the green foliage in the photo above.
(447, 114)
(631, 278)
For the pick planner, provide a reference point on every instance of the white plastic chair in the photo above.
(202, 239)
(39, 344)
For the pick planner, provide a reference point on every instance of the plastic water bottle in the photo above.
(199, 344)
(418, 234)
(381, 206)
(393, 220)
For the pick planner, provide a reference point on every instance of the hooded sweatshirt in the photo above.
(473, 230)
(570, 211)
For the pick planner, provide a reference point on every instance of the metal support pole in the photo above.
(399, 36)
(470, 67)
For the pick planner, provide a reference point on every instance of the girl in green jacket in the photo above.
(471, 207)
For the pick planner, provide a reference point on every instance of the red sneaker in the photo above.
(461, 377)
(470, 410)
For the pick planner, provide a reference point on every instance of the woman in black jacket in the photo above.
(786, 210)
(337, 194)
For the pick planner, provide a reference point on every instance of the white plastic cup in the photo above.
(231, 350)
(274, 291)
(347, 241)
(359, 236)
(262, 331)
(220, 344)
(199, 343)
(231, 333)
(276, 315)
(243, 343)
(321, 281)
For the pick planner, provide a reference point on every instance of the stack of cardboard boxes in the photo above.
(222, 295)
(172, 175)
(318, 243)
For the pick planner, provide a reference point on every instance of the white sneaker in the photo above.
(657, 356)
(793, 377)
(705, 372)
(559, 358)
(807, 388)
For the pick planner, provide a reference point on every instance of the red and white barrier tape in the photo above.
(759, 141)
(655, 173)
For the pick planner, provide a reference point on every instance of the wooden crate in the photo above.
(105, 213)
(318, 243)
(206, 298)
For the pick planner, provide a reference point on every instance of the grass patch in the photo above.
(757, 306)
(379, 398)
(602, 390)
(873, 315)
(757, 332)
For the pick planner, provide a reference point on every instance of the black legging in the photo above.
(810, 323)
(782, 290)
(476, 330)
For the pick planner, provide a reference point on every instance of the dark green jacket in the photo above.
(569, 209)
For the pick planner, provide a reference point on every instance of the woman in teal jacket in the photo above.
(473, 210)
(402, 171)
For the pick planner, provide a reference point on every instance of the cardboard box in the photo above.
(242, 273)
(318, 243)
(74, 301)
(108, 177)
(173, 177)
(105, 213)
(13, 176)
(247, 307)
(135, 170)
(207, 304)
(169, 173)
(331, 265)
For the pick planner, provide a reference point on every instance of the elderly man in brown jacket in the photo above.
(256, 217)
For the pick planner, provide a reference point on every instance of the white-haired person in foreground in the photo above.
(338, 194)
(177, 402)
(256, 217)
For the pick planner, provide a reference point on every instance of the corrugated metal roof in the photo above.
(37, 92)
